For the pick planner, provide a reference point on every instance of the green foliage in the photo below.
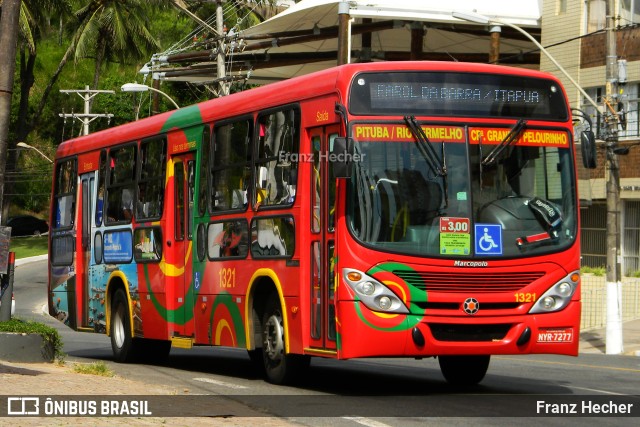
(135, 29)
(596, 271)
(49, 335)
(32, 180)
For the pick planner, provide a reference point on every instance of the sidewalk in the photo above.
(594, 340)
(42, 379)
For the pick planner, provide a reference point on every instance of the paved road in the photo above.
(392, 392)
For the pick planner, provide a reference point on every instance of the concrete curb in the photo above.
(25, 348)
(23, 261)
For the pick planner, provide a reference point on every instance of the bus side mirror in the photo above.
(588, 148)
(341, 157)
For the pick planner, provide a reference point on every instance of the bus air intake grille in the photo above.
(463, 283)
(466, 333)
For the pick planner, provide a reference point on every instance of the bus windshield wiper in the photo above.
(425, 147)
(507, 141)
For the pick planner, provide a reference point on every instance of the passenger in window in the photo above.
(99, 206)
(142, 205)
(274, 139)
(127, 204)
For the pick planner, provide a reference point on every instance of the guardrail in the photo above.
(594, 301)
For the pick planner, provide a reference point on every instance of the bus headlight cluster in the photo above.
(373, 294)
(558, 296)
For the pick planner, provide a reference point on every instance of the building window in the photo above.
(628, 110)
(561, 7)
(593, 236)
(629, 12)
(596, 15)
(631, 238)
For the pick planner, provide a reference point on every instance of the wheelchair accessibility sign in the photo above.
(488, 239)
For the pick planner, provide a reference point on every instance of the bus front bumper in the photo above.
(364, 333)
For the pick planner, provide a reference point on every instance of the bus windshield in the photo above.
(519, 202)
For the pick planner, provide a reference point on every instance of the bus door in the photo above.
(83, 243)
(179, 239)
(322, 190)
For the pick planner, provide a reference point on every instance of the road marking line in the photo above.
(597, 391)
(366, 422)
(221, 383)
(581, 365)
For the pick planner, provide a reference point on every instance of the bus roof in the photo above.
(332, 80)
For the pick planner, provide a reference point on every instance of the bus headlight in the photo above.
(558, 296)
(373, 294)
(367, 288)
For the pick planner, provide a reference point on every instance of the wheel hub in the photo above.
(273, 338)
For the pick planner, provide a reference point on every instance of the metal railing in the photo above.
(594, 301)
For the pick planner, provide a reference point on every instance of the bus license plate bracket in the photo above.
(555, 335)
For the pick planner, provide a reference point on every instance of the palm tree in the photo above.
(116, 31)
(33, 26)
(108, 30)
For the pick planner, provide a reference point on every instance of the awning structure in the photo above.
(307, 38)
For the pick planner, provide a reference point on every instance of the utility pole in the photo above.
(87, 117)
(494, 46)
(614, 342)
(344, 33)
(224, 85)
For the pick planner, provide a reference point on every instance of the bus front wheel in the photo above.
(122, 342)
(464, 370)
(280, 368)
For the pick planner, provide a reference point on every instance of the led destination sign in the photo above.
(457, 94)
(394, 92)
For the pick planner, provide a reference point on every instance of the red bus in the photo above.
(418, 209)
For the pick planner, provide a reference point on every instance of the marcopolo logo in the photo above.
(458, 263)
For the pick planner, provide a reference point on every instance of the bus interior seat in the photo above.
(424, 198)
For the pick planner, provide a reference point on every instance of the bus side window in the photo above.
(120, 191)
(100, 202)
(151, 179)
(277, 158)
(65, 193)
(230, 168)
(204, 168)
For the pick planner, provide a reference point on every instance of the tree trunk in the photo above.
(27, 80)
(8, 40)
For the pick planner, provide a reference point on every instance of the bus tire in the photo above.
(279, 367)
(464, 370)
(122, 342)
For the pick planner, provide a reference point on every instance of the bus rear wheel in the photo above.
(464, 370)
(122, 342)
(280, 368)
